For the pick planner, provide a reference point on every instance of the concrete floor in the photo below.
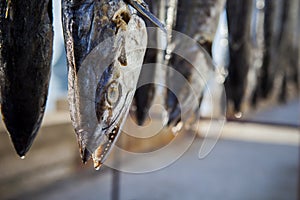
(234, 170)
(286, 114)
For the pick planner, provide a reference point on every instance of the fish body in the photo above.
(239, 20)
(26, 36)
(267, 73)
(199, 21)
(105, 44)
(287, 51)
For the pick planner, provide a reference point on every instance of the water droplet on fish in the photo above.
(22, 157)
(97, 168)
(238, 115)
(177, 128)
(97, 165)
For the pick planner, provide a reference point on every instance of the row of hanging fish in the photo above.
(263, 53)
(199, 21)
(106, 45)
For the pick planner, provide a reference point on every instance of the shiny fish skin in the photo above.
(80, 32)
(26, 36)
(198, 20)
(103, 65)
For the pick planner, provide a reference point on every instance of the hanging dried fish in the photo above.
(105, 44)
(25, 55)
(287, 47)
(271, 77)
(239, 19)
(198, 20)
(268, 68)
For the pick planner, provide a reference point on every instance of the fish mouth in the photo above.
(101, 153)
(106, 132)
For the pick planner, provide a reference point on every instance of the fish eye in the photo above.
(113, 93)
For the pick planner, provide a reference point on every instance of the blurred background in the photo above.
(256, 157)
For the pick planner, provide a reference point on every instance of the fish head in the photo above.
(113, 91)
(105, 54)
